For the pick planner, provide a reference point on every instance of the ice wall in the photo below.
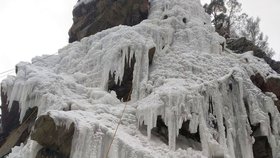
(222, 110)
(190, 79)
(92, 136)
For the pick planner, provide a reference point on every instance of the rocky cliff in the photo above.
(164, 87)
(97, 15)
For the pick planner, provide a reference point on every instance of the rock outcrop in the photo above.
(243, 45)
(9, 117)
(271, 84)
(18, 132)
(56, 140)
(97, 15)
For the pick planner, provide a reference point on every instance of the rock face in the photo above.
(242, 45)
(10, 118)
(99, 15)
(56, 140)
(270, 85)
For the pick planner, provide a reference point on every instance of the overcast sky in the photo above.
(34, 27)
(29, 28)
(269, 12)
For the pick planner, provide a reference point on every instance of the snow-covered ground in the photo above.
(191, 78)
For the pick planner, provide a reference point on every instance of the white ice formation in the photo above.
(191, 79)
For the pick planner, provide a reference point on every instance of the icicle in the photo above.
(136, 74)
(172, 127)
(203, 131)
(122, 65)
(149, 123)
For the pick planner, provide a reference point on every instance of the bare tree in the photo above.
(229, 21)
(252, 29)
(224, 14)
(253, 33)
(233, 15)
(216, 9)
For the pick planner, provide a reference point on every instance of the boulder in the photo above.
(55, 139)
(273, 85)
(99, 15)
(258, 80)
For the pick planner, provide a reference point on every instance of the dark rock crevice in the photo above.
(270, 122)
(225, 126)
(151, 55)
(161, 130)
(123, 89)
(20, 132)
(29, 117)
(49, 153)
(184, 130)
(213, 119)
(191, 140)
(262, 148)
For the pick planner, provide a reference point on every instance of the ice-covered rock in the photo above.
(243, 45)
(59, 139)
(191, 98)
